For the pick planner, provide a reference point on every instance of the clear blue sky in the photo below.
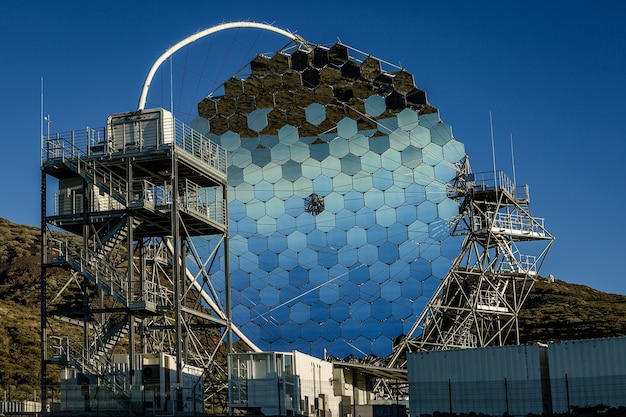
(552, 73)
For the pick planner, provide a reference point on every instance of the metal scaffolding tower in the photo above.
(478, 302)
(132, 200)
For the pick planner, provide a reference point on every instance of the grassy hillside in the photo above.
(561, 311)
(19, 350)
(554, 311)
(19, 310)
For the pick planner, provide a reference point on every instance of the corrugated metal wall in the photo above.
(488, 380)
(520, 380)
(588, 373)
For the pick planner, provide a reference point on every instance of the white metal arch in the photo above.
(224, 26)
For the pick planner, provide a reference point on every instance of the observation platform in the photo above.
(130, 165)
(521, 227)
(492, 187)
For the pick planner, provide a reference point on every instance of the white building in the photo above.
(293, 383)
(281, 383)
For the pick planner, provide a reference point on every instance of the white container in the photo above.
(143, 130)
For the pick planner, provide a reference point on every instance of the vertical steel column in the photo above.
(85, 280)
(43, 292)
(183, 273)
(517, 306)
(229, 336)
(176, 270)
(144, 294)
(354, 392)
(130, 293)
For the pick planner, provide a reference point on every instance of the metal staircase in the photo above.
(114, 378)
(134, 216)
(463, 336)
(97, 271)
(113, 239)
(106, 180)
(109, 334)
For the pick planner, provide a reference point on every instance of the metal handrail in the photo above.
(509, 222)
(517, 222)
(89, 262)
(200, 146)
(67, 348)
(521, 263)
(64, 251)
(192, 198)
(92, 142)
(497, 180)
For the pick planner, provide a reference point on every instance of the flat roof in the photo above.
(399, 374)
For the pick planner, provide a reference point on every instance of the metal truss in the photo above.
(477, 304)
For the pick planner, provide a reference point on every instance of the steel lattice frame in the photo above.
(478, 302)
(139, 280)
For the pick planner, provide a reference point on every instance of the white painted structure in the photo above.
(18, 407)
(277, 383)
(199, 35)
(293, 383)
(140, 130)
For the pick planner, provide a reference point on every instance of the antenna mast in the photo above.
(513, 159)
(493, 145)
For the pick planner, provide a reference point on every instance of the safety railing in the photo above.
(108, 333)
(98, 142)
(492, 299)
(96, 267)
(517, 223)
(489, 298)
(74, 144)
(63, 251)
(509, 223)
(204, 202)
(66, 350)
(71, 201)
(198, 145)
(143, 192)
(104, 178)
(497, 181)
(463, 336)
(526, 264)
